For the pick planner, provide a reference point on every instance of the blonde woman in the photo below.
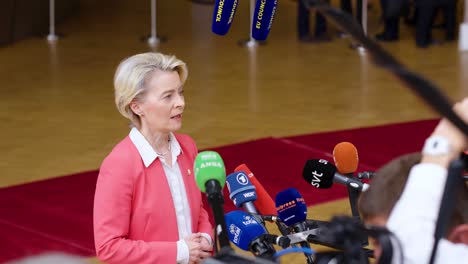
(147, 207)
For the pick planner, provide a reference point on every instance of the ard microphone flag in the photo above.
(291, 207)
(223, 14)
(240, 189)
(264, 202)
(263, 18)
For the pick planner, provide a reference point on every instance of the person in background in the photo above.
(426, 13)
(147, 207)
(303, 25)
(391, 12)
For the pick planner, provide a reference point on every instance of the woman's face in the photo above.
(163, 104)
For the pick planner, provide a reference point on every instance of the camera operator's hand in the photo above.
(456, 139)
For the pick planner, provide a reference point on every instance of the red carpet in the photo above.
(56, 214)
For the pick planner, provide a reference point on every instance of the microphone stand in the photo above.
(299, 228)
(216, 200)
(353, 195)
(451, 189)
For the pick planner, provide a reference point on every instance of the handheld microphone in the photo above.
(248, 234)
(223, 14)
(210, 176)
(264, 202)
(345, 156)
(321, 174)
(263, 18)
(242, 193)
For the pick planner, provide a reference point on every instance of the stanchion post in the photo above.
(463, 35)
(153, 38)
(251, 42)
(364, 16)
(52, 37)
(361, 49)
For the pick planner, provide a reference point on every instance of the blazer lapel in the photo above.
(189, 183)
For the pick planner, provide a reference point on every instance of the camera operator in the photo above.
(376, 204)
(413, 219)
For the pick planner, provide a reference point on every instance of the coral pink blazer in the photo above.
(134, 215)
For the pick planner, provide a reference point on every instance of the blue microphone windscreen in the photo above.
(223, 14)
(243, 228)
(240, 188)
(319, 173)
(263, 18)
(291, 207)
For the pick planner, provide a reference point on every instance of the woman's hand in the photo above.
(199, 248)
(206, 244)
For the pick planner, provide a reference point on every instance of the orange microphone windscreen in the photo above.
(346, 157)
(264, 204)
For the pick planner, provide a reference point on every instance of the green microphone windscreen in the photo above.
(209, 166)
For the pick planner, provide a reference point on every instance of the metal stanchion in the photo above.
(52, 37)
(153, 40)
(360, 48)
(363, 21)
(251, 42)
(463, 35)
(364, 16)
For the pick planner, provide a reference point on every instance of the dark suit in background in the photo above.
(426, 14)
(303, 21)
(392, 10)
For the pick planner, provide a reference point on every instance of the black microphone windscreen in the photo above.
(319, 173)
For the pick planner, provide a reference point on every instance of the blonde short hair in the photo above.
(133, 72)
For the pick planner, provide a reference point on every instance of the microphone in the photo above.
(345, 156)
(242, 193)
(223, 13)
(291, 207)
(321, 174)
(263, 18)
(210, 176)
(248, 234)
(264, 202)
(292, 210)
